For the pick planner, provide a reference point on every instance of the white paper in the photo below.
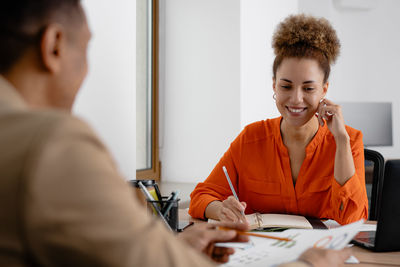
(368, 227)
(331, 224)
(271, 252)
(352, 260)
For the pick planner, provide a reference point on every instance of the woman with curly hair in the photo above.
(307, 161)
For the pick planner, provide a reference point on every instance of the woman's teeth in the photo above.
(296, 110)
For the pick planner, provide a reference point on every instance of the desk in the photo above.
(366, 257)
(369, 258)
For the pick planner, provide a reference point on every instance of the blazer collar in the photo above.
(9, 96)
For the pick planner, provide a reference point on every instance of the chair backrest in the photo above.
(374, 169)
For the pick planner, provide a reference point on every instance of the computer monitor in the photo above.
(374, 119)
(387, 234)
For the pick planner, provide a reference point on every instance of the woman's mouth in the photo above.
(295, 110)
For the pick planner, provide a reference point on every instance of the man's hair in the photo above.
(22, 23)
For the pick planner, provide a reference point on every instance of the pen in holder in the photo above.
(154, 205)
(150, 185)
(169, 210)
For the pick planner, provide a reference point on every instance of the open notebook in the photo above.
(260, 221)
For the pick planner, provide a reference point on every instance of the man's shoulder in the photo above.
(62, 125)
(39, 124)
(62, 119)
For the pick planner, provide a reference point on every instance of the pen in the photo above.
(151, 200)
(231, 185)
(171, 196)
(255, 234)
(157, 191)
(171, 202)
(156, 197)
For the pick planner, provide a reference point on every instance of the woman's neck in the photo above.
(301, 135)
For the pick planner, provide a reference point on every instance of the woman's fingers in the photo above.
(328, 102)
(233, 210)
(329, 111)
(332, 114)
(236, 204)
(236, 207)
(320, 120)
(229, 215)
(326, 109)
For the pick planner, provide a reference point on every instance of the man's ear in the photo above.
(52, 47)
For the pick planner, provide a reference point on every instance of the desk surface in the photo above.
(370, 258)
(366, 257)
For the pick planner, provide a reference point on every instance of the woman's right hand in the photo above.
(232, 210)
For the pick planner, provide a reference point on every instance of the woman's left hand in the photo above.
(332, 114)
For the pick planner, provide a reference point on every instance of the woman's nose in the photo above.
(297, 95)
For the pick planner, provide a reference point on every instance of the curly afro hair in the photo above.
(304, 36)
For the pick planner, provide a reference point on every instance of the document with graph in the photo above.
(269, 252)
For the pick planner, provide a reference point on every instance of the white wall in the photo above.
(107, 97)
(369, 64)
(216, 78)
(258, 20)
(202, 108)
(200, 112)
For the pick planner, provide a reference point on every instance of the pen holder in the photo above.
(150, 185)
(169, 209)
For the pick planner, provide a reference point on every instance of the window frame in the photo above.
(155, 171)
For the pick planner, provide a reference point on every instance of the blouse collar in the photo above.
(310, 148)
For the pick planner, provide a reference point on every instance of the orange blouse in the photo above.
(259, 167)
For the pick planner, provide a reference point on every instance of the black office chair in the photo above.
(374, 168)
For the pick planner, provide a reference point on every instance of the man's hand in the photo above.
(318, 257)
(203, 236)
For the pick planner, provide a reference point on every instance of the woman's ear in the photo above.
(274, 84)
(325, 88)
(51, 47)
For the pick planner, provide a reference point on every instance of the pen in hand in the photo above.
(231, 186)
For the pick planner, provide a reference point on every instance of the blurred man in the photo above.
(63, 202)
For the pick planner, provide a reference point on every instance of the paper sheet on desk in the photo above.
(365, 227)
(270, 252)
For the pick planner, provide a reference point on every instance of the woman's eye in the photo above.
(309, 88)
(286, 86)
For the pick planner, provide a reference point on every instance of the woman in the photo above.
(305, 162)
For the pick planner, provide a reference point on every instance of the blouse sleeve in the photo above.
(216, 186)
(349, 201)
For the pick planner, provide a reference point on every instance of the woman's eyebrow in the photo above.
(308, 82)
(289, 81)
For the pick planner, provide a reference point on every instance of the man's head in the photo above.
(43, 49)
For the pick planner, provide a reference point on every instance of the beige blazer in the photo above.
(63, 202)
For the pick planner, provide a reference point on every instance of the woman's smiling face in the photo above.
(299, 86)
